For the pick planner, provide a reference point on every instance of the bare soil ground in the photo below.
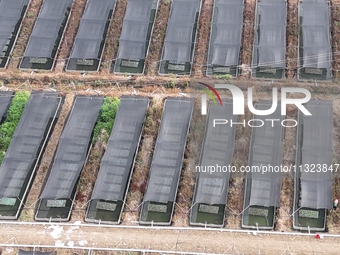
(112, 38)
(47, 158)
(26, 30)
(293, 30)
(247, 36)
(203, 37)
(335, 31)
(157, 38)
(70, 34)
(175, 240)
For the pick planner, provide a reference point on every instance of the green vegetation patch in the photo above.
(106, 118)
(14, 113)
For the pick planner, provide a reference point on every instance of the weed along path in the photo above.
(163, 239)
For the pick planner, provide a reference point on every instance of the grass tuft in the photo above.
(106, 118)
(14, 113)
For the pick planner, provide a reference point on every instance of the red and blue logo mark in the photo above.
(209, 90)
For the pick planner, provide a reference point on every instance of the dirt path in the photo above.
(187, 240)
(112, 37)
(247, 36)
(203, 37)
(157, 38)
(293, 31)
(335, 29)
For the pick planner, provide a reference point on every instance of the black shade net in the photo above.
(266, 150)
(91, 32)
(226, 33)
(26, 143)
(43, 39)
(179, 34)
(169, 150)
(117, 162)
(10, 14)
(72, 148)
(271, 33)
(217, 150)
(133, 39)
(317, 149)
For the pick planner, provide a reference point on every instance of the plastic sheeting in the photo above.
(72, 148)
(217, 149)
(226, 33)
(317, 52)
(91, 30)
(179, 34)
(11, 12)
(266, 150)
(169, 150)
(317, 148)
(270, 42)
(26, 143)
(118, 160)
(46, 30)
(133, 40)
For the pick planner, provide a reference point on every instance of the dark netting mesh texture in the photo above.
(137, 10)
(11, 8)
(317, 52)
(179, 52)
(5, 100)
(225, 55)
(317, 148)
(72, 148)
(266, 149)
(169, 150)
(92, 28)
(86, 48)
(217, 149)
(180, 30)
(10, 13)
(117, 162)
(22, 252)
(98, 9)
(52, 9)
(270, 45)
(273, 56)
(228, 13)
(46, 29)
(226, 33)
(26, 143)
(133, 39)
